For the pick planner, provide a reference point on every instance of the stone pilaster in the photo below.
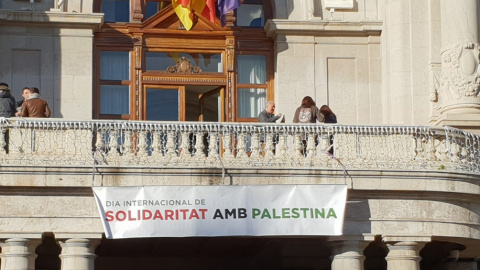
(404, 256)
(458, 85)
(78, 254)
(19, 254)
(348, 255)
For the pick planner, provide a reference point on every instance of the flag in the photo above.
(209, 10)
(184, 8)
(224, 6)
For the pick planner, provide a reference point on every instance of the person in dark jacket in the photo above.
(267, 116)
(25, 93)
(330, 117)
(7, 101)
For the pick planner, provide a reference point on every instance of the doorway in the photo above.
(203, 103)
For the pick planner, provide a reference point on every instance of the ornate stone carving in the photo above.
(460, 76)
(184, 66)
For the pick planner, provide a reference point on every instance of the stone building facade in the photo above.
(402, 77)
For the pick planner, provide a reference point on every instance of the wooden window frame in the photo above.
(99, 82)
(268, 86)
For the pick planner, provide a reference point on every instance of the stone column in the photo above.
(348, 255)
(78, 254)
(459, 81)
(19, 254)
(404, 256)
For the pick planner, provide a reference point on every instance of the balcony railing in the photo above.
(56, 142)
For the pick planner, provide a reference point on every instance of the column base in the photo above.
(465, 121)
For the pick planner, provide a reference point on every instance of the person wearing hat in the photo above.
(7, 101)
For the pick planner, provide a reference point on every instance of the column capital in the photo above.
(413, 246)
(19, 253)
(404, 255)
(348, 254)
(348, 247)
(78, 253)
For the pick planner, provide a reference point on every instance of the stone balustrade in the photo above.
(57, 142)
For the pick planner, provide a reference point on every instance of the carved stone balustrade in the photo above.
(42, 142)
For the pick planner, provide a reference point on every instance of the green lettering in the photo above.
(295, 213)
(285, 212)
(275, 214)
(255, 212)
(266, 214)
(331, 213)
(319, 213)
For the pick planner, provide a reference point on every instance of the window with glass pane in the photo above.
(251, 101)
(154, 6)
(116, 10)
(207, 62)
(114, 65)
(114, 99)
(250, 16)
(162, 104)
(114, 82)
(251, 71)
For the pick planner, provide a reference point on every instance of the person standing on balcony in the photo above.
(34, 106)
(308, 112)
(267, 116)
(25, 92)
(330, 117)
(7, 101)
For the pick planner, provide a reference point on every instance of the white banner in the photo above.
(179, 211)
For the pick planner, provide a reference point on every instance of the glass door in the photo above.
(163, 103)
(183, 103)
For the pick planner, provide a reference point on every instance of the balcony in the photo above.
(127, 144)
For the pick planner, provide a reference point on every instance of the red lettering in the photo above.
(169, 214)
(194, 214)
(146, 214)
(158, 215)
(203, 212)
(109, 215)
(184, 212)
(121, 215)
(130, 218)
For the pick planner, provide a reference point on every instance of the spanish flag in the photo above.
(184, 8)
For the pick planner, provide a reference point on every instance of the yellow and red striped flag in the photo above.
(183, 9)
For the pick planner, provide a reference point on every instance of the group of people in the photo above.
(308, 112)
(30, 106)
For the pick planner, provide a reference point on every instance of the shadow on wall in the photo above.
(32, 58)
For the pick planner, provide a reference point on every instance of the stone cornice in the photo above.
(92, 20)
(317, 27)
